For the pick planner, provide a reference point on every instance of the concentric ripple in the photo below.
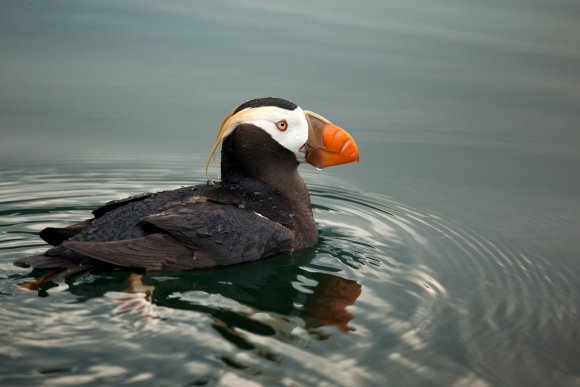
(391, 294)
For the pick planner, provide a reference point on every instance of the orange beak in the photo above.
(328, 144)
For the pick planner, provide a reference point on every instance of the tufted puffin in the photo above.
(260, 208)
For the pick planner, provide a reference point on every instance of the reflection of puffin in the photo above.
(260, 208)
(279, 296)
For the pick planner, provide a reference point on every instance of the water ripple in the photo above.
(405, 291)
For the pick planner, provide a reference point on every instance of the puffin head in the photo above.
(274, 125)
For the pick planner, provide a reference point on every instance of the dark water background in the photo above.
(449, 256)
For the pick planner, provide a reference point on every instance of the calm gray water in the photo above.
(450, 255)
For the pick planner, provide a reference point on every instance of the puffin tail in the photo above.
(56, 235)
(43, 262)
(60, 269)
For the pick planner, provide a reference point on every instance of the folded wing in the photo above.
(196, 235)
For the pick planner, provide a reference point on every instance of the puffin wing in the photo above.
(227, 233)
(199, 235)
(154, 252)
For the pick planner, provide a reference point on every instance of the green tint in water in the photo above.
(379, 296)
(459, 227)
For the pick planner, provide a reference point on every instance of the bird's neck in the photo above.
(256, 157)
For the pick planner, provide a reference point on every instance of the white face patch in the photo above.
(296, 133)
(292, 138)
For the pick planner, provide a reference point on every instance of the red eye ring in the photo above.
(282, 125)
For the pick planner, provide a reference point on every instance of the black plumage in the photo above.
(267, 101)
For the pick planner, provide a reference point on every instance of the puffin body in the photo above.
(259, 209)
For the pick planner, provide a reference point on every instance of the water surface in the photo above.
(448, 256)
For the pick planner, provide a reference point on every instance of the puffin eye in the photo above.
(282, 125)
